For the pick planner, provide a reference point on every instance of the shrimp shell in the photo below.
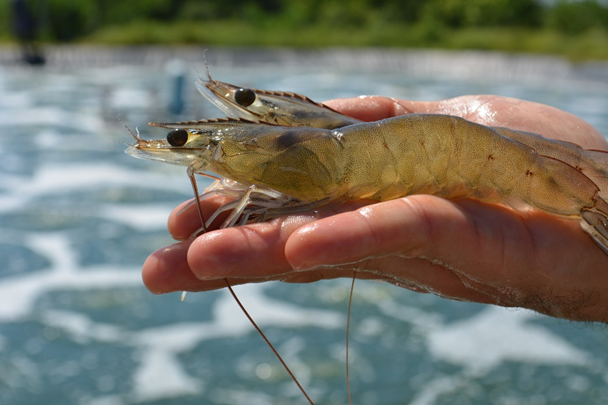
(324, 157)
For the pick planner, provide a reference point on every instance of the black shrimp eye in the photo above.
(177, 137)
(244, 97)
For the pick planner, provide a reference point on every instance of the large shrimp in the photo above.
(299, 168)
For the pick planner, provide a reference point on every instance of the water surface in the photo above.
(78, 218)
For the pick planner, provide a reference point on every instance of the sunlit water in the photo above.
(78, 218)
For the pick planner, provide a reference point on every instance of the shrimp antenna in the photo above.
(276, 353)
(137, 137)
(255, 325)
(350, 304)
(206, 67)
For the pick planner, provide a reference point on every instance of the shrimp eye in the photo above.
(177, 137)
(244, 97)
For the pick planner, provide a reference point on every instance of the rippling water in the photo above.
(78, 217)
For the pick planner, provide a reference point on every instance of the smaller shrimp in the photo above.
(273, 107)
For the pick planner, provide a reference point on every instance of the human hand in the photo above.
(462, 250)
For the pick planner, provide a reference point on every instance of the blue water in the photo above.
(78, 218)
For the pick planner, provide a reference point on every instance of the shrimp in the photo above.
(272, 107)
(288, 169)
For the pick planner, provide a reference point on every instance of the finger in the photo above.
(330, 273)
(374, 108)
(398, 227)
(251, 253)
(255, 250)
(423, 275)
(185, 219)
(468, 236)
(167, 270)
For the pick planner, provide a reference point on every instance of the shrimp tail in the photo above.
(594, 221)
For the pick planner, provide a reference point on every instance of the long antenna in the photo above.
(350, 304)
(276, 353)
(196, 197)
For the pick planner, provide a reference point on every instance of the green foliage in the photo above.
(5, 20)
(485, 13)
(570, 27)
(575, 17)
(123, 11)
(70, 19)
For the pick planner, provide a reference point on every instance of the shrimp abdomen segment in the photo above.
(592, 163)
(452, 157)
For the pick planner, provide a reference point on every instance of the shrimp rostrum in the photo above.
(276, 170)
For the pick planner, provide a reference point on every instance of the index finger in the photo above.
(374, 108)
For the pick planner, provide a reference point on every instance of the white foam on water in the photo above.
(81, 328)
(245, 397)
(160, 375)
(15, 99)
(494, 336)
(50, 116)
(437, 387)
(269, 311)
(51, 178)
(478, 344)
(142, 217)
(18, 294)
(424, 320)
(228, 322)
(10, 203)
(488, 340)
(104, 400)
(53, 139)
(130, 98)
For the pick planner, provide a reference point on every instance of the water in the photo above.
(78, 218)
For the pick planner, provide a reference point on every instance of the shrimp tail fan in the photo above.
(594, 221)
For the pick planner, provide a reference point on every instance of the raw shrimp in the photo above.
(299, 168)
(272, 107)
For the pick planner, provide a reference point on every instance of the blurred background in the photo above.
(78, 217)
(576, 29)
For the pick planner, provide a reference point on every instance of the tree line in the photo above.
(70, 20)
